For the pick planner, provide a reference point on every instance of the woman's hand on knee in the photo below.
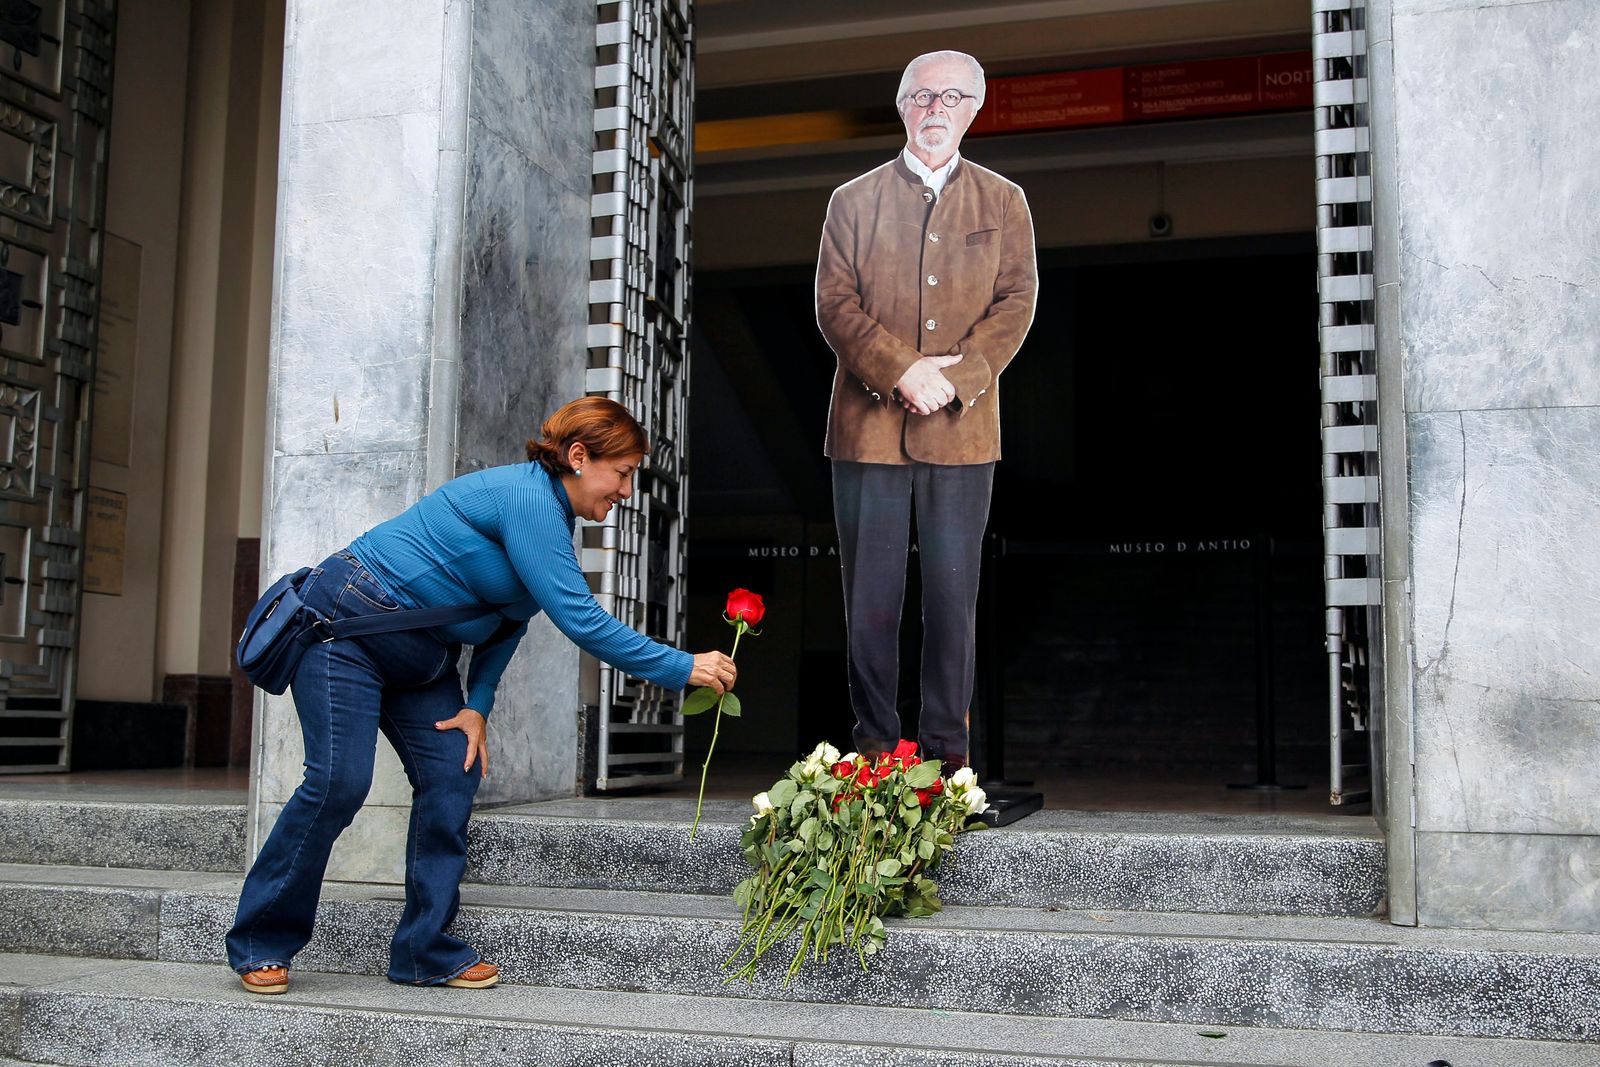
(714, 669)
(471, 723)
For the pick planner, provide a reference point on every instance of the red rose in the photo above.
(743, 604)
(865, 778)
(844, 769)
(937, 787)
(904, 749)
(925, 796)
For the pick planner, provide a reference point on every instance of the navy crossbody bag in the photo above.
(281, 627)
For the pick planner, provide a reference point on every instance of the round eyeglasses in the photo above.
(950, 97)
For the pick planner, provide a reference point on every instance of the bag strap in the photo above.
(405, 619)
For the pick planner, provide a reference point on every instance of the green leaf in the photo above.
(913, 816)
(825, 841)
(742, 893)
(923, 775)
(730, 705)
(889, 867)
(808, 829)
(800, 802)
(925, 849)
(701, 700)
(782, 794)
(1211, 1033)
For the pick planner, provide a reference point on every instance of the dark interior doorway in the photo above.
(1160, 435)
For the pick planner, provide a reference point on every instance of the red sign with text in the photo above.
(1154, 91)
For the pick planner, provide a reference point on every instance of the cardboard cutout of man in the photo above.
(925, 291)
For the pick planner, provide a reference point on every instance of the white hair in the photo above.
(908, 84)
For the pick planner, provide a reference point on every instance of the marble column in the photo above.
(430, 306)
(1487, 172)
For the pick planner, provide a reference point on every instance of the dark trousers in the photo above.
(873, 504)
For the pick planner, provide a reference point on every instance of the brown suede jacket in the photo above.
(901, 275)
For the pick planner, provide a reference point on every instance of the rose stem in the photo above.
(716, 726)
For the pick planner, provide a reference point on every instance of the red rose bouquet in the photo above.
(744, 611)
(839, 843)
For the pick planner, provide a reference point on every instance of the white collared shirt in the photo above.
(933, 179)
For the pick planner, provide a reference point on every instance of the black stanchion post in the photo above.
(1007, 803)
(994, 709)
(1266, 715)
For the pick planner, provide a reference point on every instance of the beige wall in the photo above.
(252, 428)
(118, 639)
(192, 180)
(211, 343)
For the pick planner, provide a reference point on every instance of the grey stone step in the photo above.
(1261, 971)
(123, 833)
(110, 912)
(1249, 865)
(19, 972)
(187, 1015)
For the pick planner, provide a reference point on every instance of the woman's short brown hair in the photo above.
(603, 426)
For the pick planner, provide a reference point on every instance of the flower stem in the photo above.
(716, 727)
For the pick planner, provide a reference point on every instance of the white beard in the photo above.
(931, 134)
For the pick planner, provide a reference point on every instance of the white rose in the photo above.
(763, 803)
(823, 753)
(976, 800)
(849, 757)
(965, 778)
(810, 770)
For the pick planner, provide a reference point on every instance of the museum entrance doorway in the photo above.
(1155, 567)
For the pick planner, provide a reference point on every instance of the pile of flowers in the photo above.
(841, 842)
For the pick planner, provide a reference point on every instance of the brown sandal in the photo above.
(480, 975)
(266, 980)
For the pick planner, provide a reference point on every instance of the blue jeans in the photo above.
(346, 691)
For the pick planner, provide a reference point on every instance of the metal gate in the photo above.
(1354, 589)
(639, 305)
(55, 105)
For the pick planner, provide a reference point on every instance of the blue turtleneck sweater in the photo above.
(504, 536)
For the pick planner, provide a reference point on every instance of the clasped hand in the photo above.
(924, 389)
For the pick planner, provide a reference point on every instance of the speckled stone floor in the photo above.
(732, 778)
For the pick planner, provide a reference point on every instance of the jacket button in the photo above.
(927, 197)
(931, 324)
(933, 279)
(875, 396)
(933, 237)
